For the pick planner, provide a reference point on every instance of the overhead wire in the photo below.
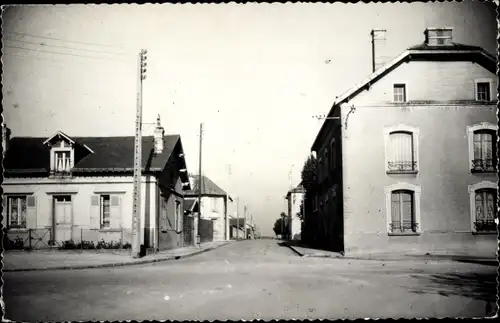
(61, 53)
(60, 39)
(66, 47)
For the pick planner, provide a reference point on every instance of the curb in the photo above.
(313, 256)
(118, 264)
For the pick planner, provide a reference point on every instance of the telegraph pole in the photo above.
(200, 185)
(136, 221)
(237, 218)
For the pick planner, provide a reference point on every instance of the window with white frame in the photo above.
(483, 206)
(62, 161)
(483, 89)
(401, 152)
(403, 209)
(105, 210)
(482, 147)
(485, 210)
(399, 92)
(16, 212)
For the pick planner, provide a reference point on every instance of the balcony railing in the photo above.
(483, 165)
(485, 225)
(405, 226)
(402, 166)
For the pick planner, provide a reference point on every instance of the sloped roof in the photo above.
(237, 222)
(110, 154)
(191, 204)
(298, 189)
(455, 51)
(208, 188)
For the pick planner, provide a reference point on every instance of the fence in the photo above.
(71, 238)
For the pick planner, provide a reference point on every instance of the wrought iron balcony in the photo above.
(483, 165)
(405, 226)
(402, 166)
(485, 225)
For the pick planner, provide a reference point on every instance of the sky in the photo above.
(253, 74)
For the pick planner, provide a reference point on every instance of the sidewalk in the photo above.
(304, 251)
(76, 259)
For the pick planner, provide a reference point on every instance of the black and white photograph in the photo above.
(249, 161)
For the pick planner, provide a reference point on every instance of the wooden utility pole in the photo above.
(200, 185)
(237, 218)
(136, 221)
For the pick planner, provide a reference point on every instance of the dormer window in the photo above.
(62, 154)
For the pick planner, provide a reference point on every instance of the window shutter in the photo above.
(95, 216)
(115, 212)
(31, 212)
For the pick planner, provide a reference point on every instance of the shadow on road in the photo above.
(478, 286)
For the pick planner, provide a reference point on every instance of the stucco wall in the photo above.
(425, 80)
(170, 236)
(213, 208)
(443, 177)
(81, 189)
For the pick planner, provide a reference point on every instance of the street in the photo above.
(250, 280)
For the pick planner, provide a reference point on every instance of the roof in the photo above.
(110, 154)
(298, 189)
(208, 188)
(455, 51)
(237, 222)
(190, 205)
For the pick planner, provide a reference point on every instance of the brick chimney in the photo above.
(5, 138)
(159, 141)
(439, 36)
(379, 48)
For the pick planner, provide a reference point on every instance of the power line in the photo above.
(60, 46)
(59, 39)
(59, 53)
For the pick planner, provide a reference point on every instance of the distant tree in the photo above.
(308, 175)
(277, 227)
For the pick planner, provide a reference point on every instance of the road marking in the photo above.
(227, 262)
(166, 298)
(229, 286)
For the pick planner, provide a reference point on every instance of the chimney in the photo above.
(439, 36)
(159, 142)
(379, 48)
(5, 138)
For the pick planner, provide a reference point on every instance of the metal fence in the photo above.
(74, 238)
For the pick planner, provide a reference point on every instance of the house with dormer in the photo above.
(406, 160)
(64, 188)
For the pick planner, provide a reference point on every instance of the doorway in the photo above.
(63, 216)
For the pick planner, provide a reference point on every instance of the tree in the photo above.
(308, 175)
(277, 227)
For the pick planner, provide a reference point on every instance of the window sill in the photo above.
(393, 172)
(404, 233)
(110, 230)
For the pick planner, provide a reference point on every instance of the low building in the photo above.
(295, 198)
(214, 204)
(407, 158)
(66, 188)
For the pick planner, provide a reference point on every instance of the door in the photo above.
(188, 226)
(63, 216)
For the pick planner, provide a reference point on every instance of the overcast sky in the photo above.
(254, 74)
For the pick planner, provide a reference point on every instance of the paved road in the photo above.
(252, 279)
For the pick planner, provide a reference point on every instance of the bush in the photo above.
(71, 245)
